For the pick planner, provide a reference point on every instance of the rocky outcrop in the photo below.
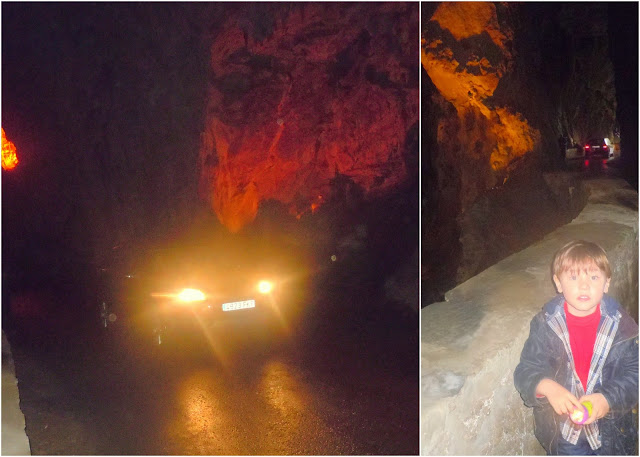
(302, 93)
(466, 52)
(471, 342)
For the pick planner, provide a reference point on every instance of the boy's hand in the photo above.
(562, 401)
(600, 407)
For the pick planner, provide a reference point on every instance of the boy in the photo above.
(582, 346)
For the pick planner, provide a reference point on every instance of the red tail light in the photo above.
(586, 163)
(586, 146)
(605, 147)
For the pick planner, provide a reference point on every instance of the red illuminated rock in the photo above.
(9, 156)
(300, 93)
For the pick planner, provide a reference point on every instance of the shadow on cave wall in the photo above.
(360, 245)
(441, 249)
(623, 42)
(481, 236)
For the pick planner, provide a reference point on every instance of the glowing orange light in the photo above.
(190, 295)
(9, 157)
(265, 287)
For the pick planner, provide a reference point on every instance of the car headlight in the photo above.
(265, 287)
(190, 295)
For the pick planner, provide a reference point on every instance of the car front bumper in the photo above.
(225, 316)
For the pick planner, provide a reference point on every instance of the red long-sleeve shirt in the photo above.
(582, 337)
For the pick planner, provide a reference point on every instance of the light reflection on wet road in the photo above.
(338, 396)
(229, 416)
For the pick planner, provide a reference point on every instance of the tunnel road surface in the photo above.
(351, 391)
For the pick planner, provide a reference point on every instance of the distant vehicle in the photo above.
(598, 148)
(234, 286)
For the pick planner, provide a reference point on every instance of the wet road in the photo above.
(346, 386)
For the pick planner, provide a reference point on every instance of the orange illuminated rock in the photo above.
(330, 88)
(514, 138)
(466, 19)
(466, 68)
(9, 156)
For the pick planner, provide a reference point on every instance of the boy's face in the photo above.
(583, 287)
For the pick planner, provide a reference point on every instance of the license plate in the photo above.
(236, 305)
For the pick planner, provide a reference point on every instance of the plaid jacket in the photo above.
(613, 372)
(604, 339)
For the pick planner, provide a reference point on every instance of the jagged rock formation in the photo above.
(465, 53)
(303, 92)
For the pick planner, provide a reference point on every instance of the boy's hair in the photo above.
(579, 253)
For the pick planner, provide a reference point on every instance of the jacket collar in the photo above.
(608, 305)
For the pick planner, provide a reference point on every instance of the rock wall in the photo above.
(501, 82)
(471, 342)
(302, 93)
(466, 51)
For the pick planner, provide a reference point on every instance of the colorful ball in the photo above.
(580, 416)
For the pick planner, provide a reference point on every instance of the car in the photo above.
(201, 290)
(598, 148)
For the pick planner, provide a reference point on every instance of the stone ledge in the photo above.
(14, 436)
(471, 342)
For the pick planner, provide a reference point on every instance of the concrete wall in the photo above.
(471, 342)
